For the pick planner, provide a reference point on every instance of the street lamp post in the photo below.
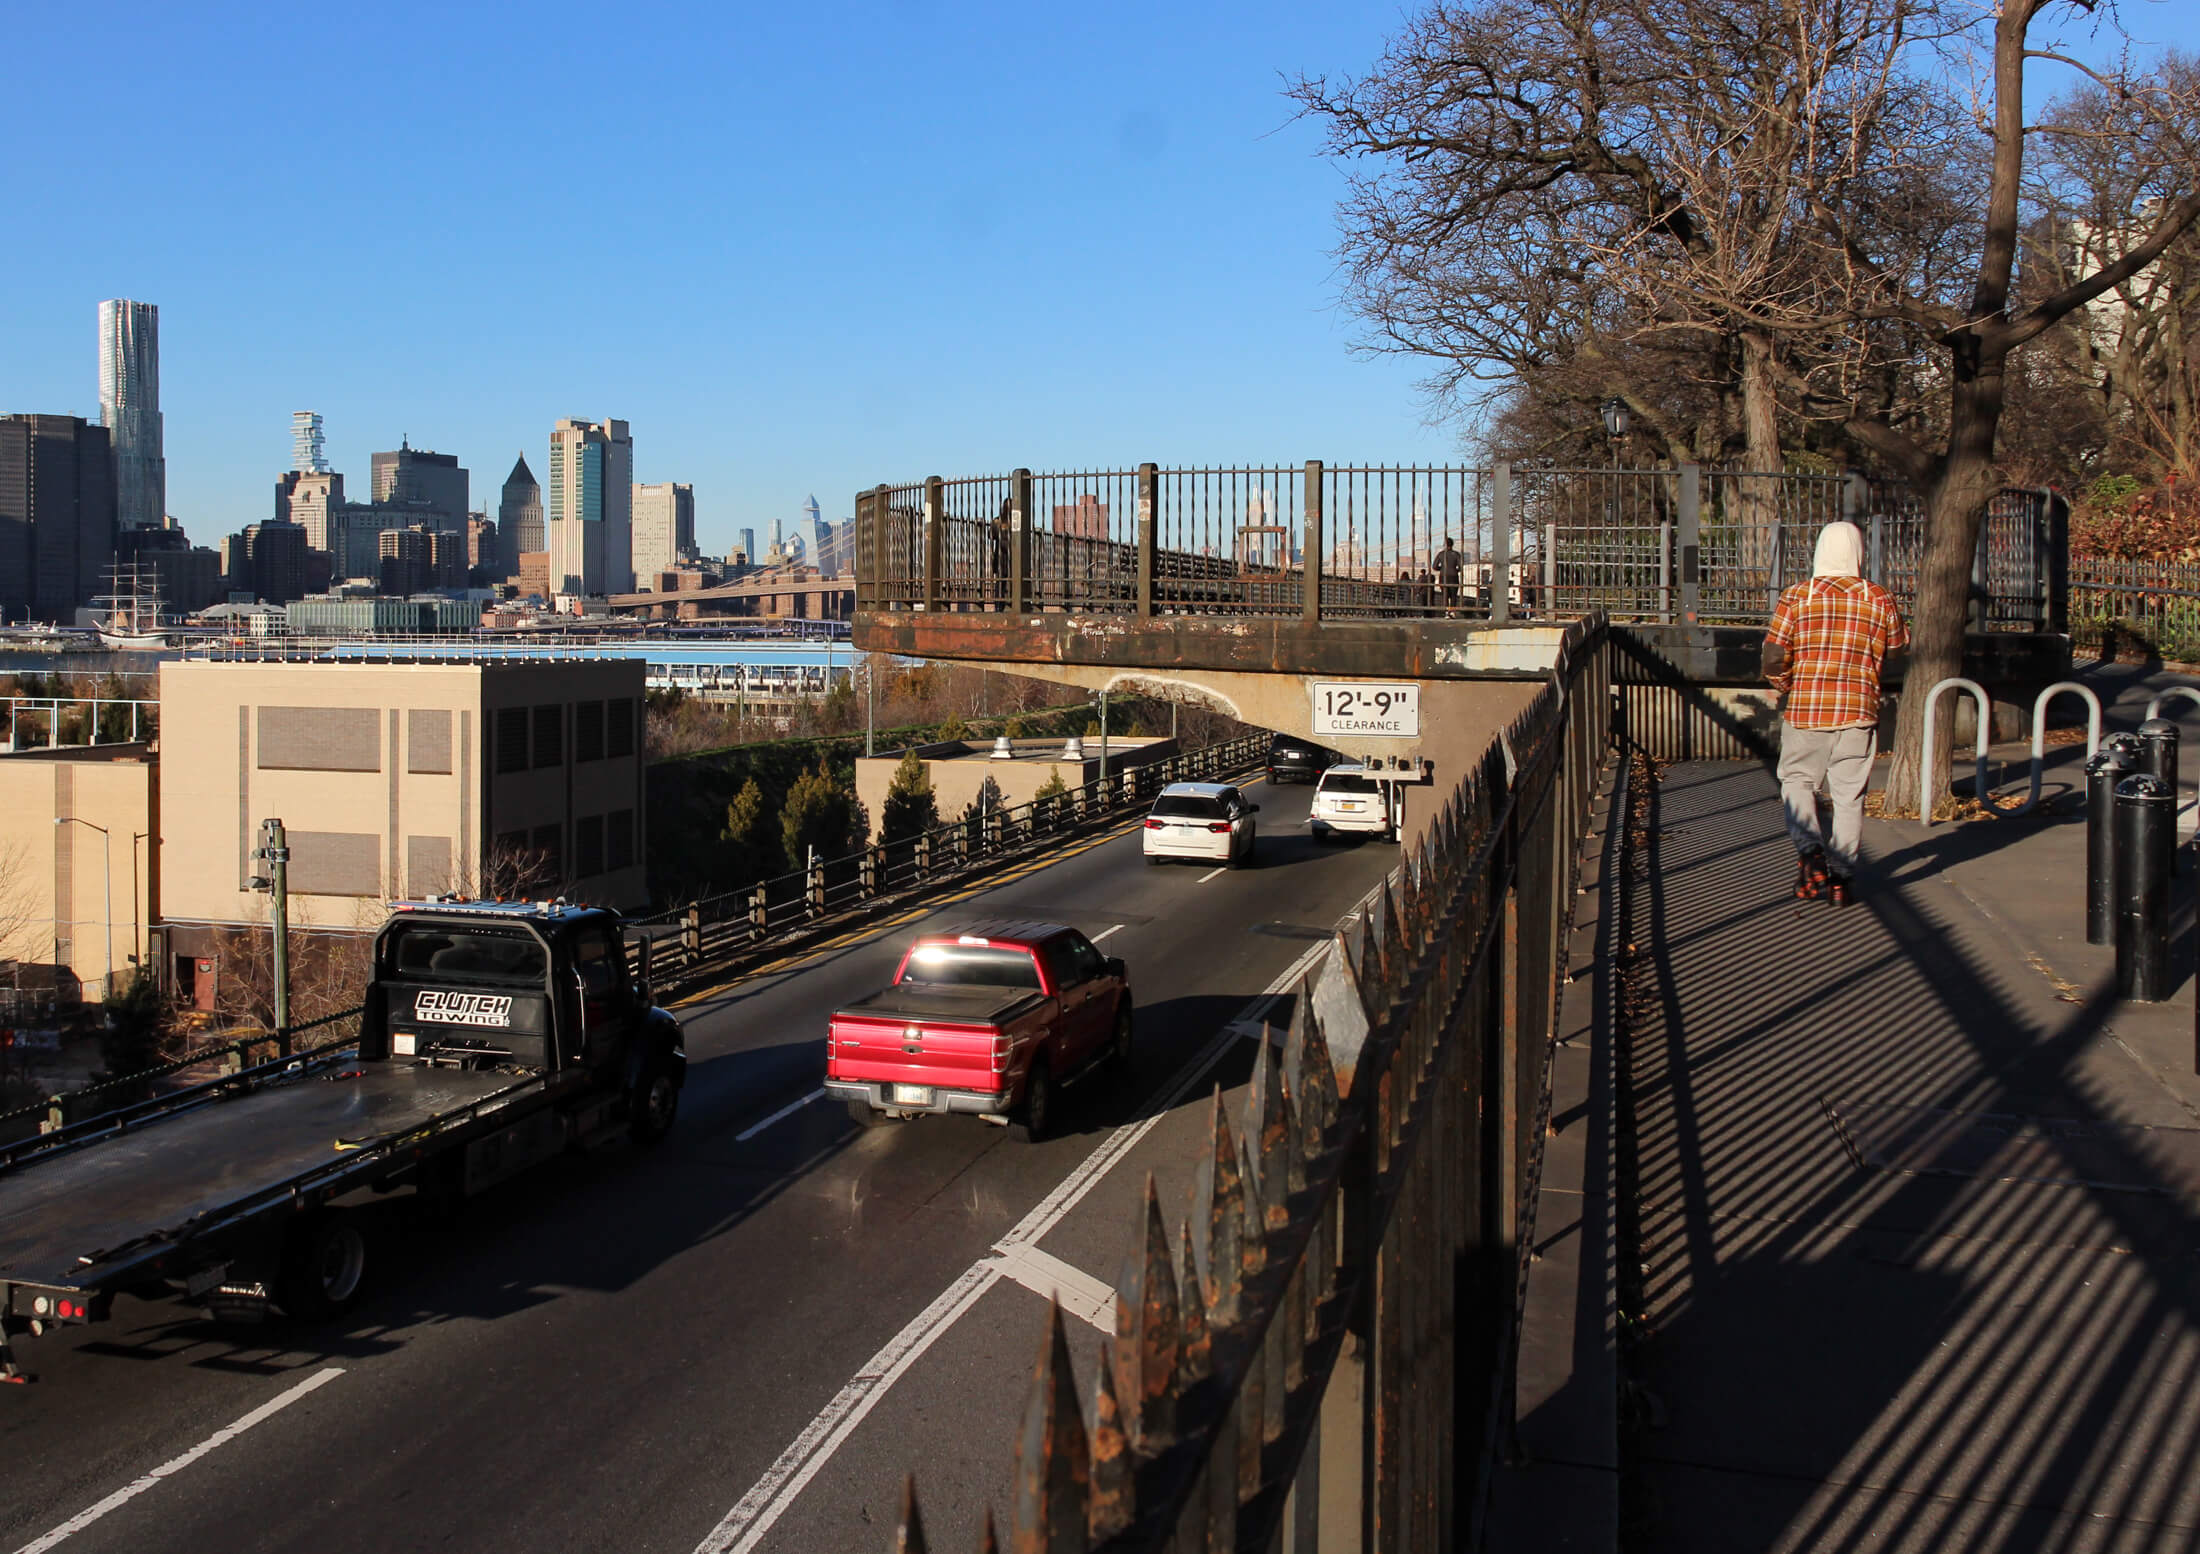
(107, 886)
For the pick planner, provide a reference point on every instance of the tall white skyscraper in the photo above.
(129, 407)
(664, 529)
(588, 510)
(308, 448)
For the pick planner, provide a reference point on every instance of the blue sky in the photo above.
(798, 248)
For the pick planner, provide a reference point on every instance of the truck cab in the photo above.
(540, 987)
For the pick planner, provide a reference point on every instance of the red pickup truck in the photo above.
(994, 1019)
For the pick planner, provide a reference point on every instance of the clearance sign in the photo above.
(1363, 709)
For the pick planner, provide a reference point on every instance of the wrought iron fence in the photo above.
(2158, 599)
(1326, 1334)
(1690, 544)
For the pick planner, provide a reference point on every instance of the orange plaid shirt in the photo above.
(1837, 630)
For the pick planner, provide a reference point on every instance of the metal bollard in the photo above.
(2109, 765)
(2158, 758)
(2146, 814)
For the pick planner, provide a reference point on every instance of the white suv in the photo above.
(1349, 800)
(1208, 821)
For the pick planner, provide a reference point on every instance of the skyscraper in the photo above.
(519, 518)
(57, 515)
(664, 529)
(308, 448)
(129, 407)
(309, 499)
(431, 485)
(589, 513)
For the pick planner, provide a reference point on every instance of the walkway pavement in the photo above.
(1901, 1251)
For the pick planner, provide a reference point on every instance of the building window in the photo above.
(549, 735)
(620, 733)
(587, 731)
(511, 739)
(588, 847)
(548, 849)
(618, 839)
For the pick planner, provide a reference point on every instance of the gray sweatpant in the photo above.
(1841, 758)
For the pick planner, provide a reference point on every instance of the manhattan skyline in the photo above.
(813, 273)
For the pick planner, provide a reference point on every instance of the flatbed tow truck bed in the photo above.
(70, 1219)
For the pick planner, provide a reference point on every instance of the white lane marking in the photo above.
(175, 1465)
(1103, 933)
(1082, 1296)
(787, 1110)
(758, 1511)
(1210, 874)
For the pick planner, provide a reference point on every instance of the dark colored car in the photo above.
(1292, 759)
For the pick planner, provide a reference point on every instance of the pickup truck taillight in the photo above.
(1000, 1054)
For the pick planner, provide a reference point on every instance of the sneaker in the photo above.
(1840, 891)
(1810, 875)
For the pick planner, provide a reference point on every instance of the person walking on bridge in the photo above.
(1449, 564)
(1829, 641)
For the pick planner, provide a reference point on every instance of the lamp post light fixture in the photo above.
(107, 882)
(1616, 418)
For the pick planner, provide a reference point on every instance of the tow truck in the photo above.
(493, 1035)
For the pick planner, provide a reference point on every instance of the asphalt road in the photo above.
(738, 1341)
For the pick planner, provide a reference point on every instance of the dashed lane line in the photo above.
(787, 1110)
(175, 1465)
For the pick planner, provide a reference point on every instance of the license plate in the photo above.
(909, 1095)
(1347, 805)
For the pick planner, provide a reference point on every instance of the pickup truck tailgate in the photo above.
(950, 1057)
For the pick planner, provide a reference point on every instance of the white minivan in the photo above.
(1206, 821)
(1348, 800)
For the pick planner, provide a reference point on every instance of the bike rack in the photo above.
(2039, 733)
(1931, 768)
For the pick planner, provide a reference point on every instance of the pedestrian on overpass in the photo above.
(1829, 641)
(1448, 566)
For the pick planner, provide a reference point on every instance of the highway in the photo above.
(737, 1342)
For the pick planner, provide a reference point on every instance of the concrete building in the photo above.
(534, 575)
(277, 555)
(423, 482)
(308, 498)
(188, 576)
(961, 770)
(519, 518)
(1087, 517)
(57, 516)
(589, 511)
(308, 444)
(405, 562)
(129, 407)
(664, 529)
(76, 826)
(379, 617)
(395, 780)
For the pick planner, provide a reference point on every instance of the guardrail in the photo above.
(717, 928)
(1688, 544)
(1331, 1325)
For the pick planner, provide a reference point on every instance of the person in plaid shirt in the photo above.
(1828, 642)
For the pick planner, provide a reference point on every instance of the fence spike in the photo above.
(1196, 1355)
(1267, 1136)
(1253, 1242)
(1053, 1468)
(1217, 1207)
(988, 1541)
(1146, 1334)
(909, 1538)
(1112, 1478)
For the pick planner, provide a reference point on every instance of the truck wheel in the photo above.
(1036, 1115)
(864, 1115)
(1119, 1048)
(655, 1103)
(324, 1265)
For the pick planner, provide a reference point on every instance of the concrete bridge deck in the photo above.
(1889, 1240)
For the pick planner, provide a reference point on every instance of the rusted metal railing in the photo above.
(1317, 1351)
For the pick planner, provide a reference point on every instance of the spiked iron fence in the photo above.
(1686, 545)
(1320, 1355)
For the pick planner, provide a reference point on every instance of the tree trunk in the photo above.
(1758, 499)
(1943, 604)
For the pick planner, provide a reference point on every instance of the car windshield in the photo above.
(436, 953)
(1350, 782)
(1187, 806)
(977, 964)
